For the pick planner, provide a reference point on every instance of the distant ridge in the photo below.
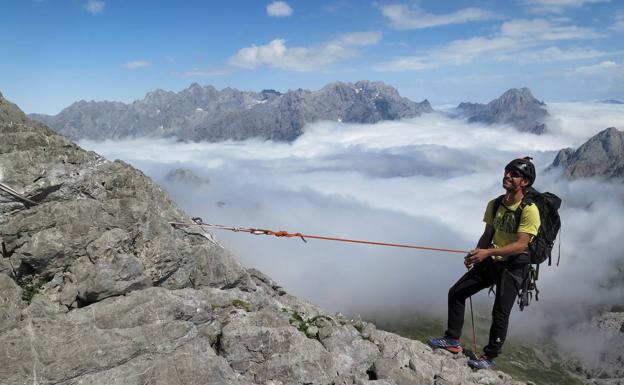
(205, 113)
(601, 156)
(517, 107)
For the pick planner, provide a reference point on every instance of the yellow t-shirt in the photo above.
(504, 223)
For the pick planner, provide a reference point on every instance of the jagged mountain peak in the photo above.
(204, 113)
(516, 106)
(517, 97)
(601, 156)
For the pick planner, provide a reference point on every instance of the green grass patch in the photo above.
(520, 361)
(30, 286)
(238, 303)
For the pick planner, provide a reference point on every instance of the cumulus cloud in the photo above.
(558, 6)
(402, 16)
(606, 69)
(515, 38)
(599, 68)
(422, 181)
(133, 65)
(94, 6)
(279, 9)
(277, 55)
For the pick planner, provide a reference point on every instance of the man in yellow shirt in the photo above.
(501, 259)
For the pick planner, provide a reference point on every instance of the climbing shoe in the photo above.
(484, 362)
(447, 343)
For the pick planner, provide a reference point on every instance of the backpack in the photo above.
(541, 245)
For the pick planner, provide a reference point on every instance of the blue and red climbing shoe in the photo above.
(451, 344)
(483, 362)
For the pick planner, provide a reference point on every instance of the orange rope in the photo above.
(282, 233)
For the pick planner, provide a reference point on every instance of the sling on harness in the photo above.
(541, 245)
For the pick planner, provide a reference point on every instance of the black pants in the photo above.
(507, 279)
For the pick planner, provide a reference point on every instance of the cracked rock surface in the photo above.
(97, 287)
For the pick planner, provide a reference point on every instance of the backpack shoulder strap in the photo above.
(497, 204)
(526, 200)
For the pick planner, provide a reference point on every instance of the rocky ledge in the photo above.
(97, 287)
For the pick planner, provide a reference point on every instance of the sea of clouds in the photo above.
(422, 181)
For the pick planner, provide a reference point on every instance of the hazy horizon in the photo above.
(436, 105)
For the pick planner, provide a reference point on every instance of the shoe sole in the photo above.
(454, 350)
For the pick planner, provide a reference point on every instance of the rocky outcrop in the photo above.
(204, 113)
(605, 368)
(97, 287)
(601, 156)
(516, 107)
(185, 176)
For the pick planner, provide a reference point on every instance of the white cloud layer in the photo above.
(95, 6)
(279, 9)
(402, 16)
(558, 6)
(423, 181)
(516, 39)
(133, 65)
(277, 55)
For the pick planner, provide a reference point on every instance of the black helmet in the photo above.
(523, 166)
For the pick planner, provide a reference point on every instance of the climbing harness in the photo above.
(197, 221)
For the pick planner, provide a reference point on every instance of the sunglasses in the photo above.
(514, 174)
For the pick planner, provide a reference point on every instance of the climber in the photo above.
(500, 260)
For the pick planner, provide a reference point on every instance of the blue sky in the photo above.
(55, 52)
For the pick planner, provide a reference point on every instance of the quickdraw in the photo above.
(197, 221)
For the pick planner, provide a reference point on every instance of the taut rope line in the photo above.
(198, 222)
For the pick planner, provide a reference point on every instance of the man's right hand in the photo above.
(475, 256)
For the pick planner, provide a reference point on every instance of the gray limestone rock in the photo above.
(516, 107)
(186, 176)
(204, 113)
(10, 303)
(601, 156)
(605, 366)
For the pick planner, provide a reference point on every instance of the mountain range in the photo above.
(203, 113)
(207, 114)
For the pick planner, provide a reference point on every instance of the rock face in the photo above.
(186, 176)
(606, 367)
(601, 156)
(97, 287)
(516, 107)
(204, 113)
